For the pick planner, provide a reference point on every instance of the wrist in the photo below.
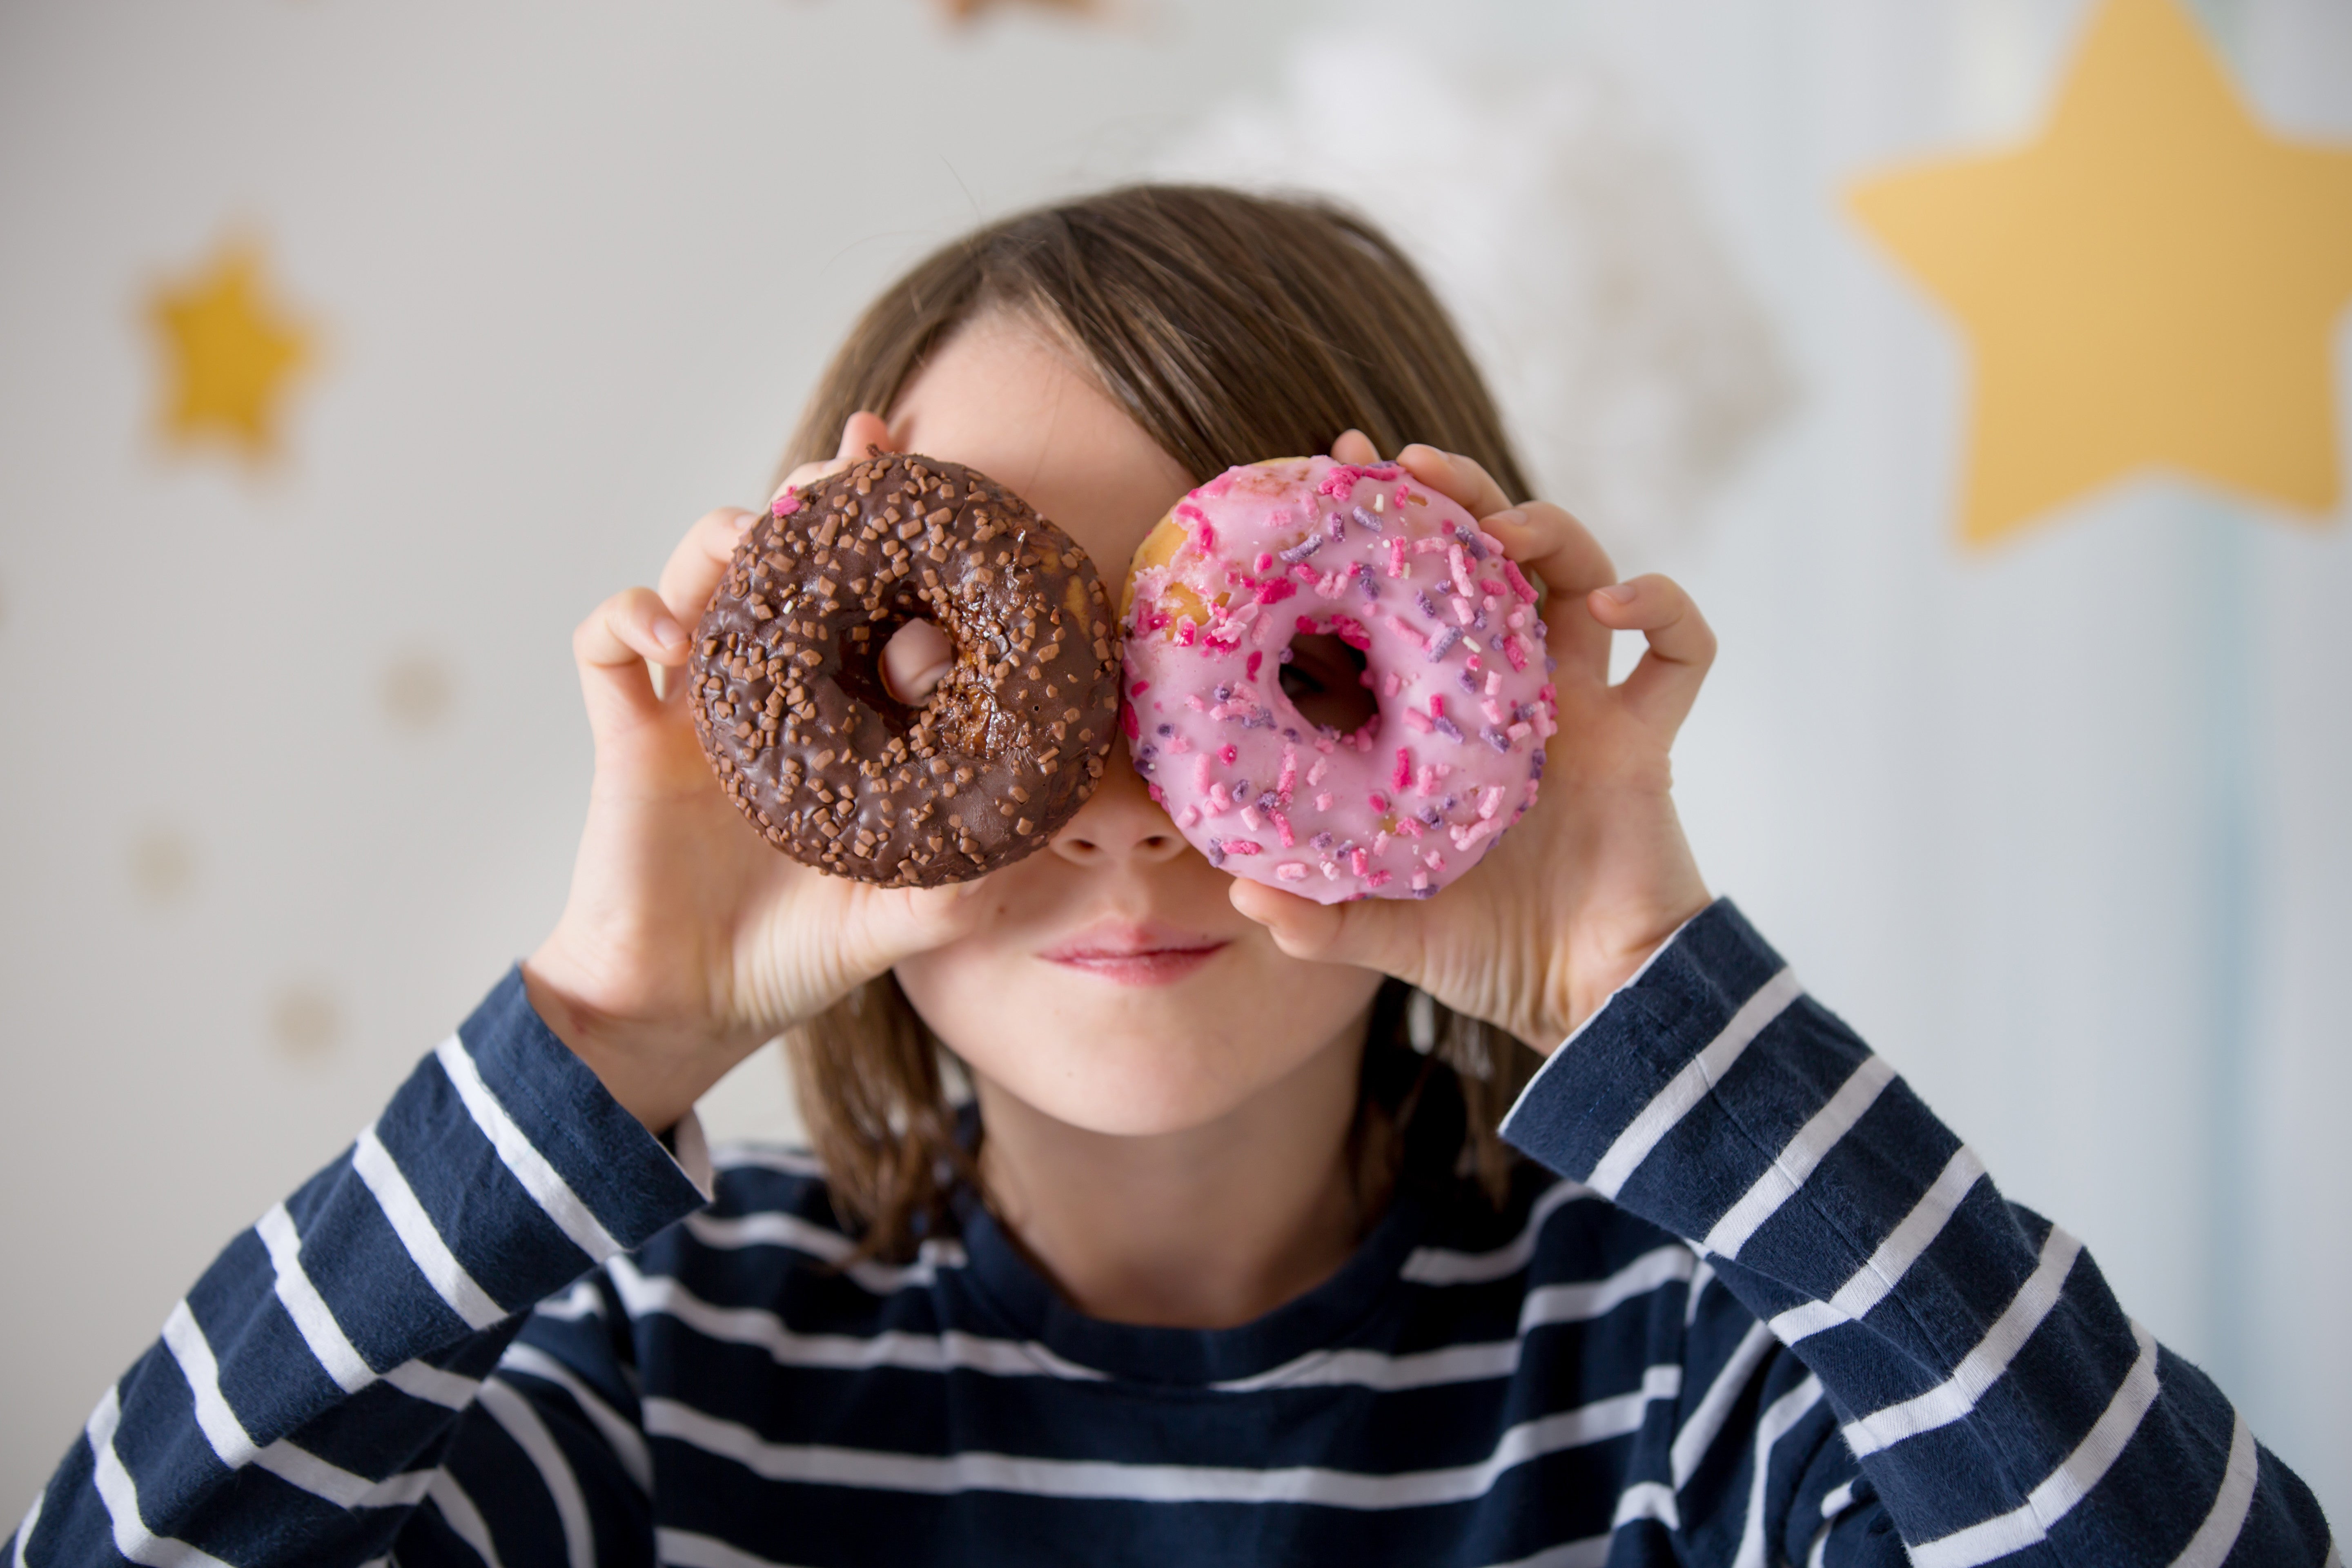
(1608, 961)
(655, 1071)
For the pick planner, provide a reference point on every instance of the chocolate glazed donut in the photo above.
(807, 741)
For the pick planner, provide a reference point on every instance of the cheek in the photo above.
(1134, 1060)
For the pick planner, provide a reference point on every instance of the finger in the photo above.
(1549, 543)
(698, 563)
(612, 647)
(1456, 477)
(858, 432)
(1355, 448)
(1666, 682)
(1372, 933)
(916, 659)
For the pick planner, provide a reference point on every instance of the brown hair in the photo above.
(1231, 329)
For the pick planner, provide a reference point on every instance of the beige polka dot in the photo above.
(417, 692)
(163, 864)
(304, 1020)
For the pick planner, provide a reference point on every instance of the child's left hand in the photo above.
(1587, 885)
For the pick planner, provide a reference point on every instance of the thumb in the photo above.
(1371, 933)
(904, 922)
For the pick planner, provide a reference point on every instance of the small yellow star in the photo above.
(2153, 283)
(230, 351)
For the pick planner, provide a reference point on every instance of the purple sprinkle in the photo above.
(1444, 644)
(1451, 803)
(1166, 730)
(1302, 550)
(1519, 711)
(1469, 682)
(1551, 665)
(1367, 520)
(1371, 589)
(1224, 694)
(1241, 789)
(1447, 728)
(1427, 608)
(1321, 841)
(1478, 619)
(1145, 764)
(1148, 750)
(1283, 656)
(1496, 739)
(1535, 765)
(1470, 546)
(1216, 853)
(1429, 814)
(1335, 530)
(1269, 801)
(1425, 892)
(1289, 734)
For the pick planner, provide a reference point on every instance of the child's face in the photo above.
(1113, 987)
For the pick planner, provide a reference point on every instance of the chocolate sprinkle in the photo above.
(806, 738)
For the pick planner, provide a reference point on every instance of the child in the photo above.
(1229, 1258)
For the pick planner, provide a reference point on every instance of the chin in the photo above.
(1134, 1060)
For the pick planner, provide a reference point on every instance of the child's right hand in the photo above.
(686, 942)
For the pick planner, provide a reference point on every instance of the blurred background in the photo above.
(349, 353)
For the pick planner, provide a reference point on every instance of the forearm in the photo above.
(302, 1393)
(1997, 1395)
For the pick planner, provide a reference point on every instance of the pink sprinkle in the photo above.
(1465, 612)
(1226, 755)
(1126, 720)
(1520, 584)
(1192, 700)
(1323, 801)
(1494, 683)
(1493, 709)
(1156, 798)
(1420, 880)
(1323, 743)
(1139, 688)
(1178, 745)
(787, 503)
(1381, 842)
(1390, 682)
(1282, 785)
(1417, 720)
(1314, 775)
(1358, 860)
(1220, 802)
(1249, 671)
(1403, 774)
(1243, 846)
(1492, 589)
(1251, 819)
(1410, 827)
(1429, 544)
(1378, 879)
(1397, 567)
(1427, 785)
(1405, 628)
(1490, 802)
(1520, 731)
(1201, 773)
(1516, 651)
(1437, 705)
(1264, 563)
(1379, 802)
(1307, 626)
(1187, 631)
(1461, 565)
(1291, 872)
(1276, 591)
(1515, 619)
(1303, 572)
(1219, 485)
(1433, 860)
(1192, 813)
(1330, 871)
(1282, 825)
(1464, 839)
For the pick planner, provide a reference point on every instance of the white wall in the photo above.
(576, 267)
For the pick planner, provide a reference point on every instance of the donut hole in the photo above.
(914, 660)
(1329, 683)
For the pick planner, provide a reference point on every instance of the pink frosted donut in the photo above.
(1454, 659)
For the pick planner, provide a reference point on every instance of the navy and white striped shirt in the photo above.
(1763, 1308)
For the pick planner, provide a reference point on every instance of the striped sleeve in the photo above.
(2000, 1403)
(305, 1393)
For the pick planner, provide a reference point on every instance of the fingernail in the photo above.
(1511, 515)
(1622, 593)
(667, 632)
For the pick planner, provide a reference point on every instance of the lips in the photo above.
(1133, 954)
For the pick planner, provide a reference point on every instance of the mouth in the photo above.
(1129, 955)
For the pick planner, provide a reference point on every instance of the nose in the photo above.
(1119, 823)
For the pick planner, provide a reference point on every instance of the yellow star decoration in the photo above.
(230, 351)
(2153, 283)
